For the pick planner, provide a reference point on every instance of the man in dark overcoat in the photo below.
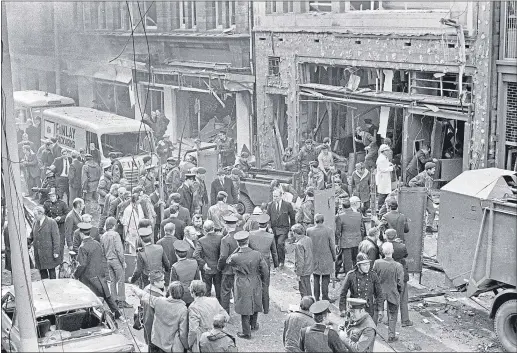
(349, 233)
(396, 220)
(222, 183)
(91, 268)
(57, 210)
(45, 239)
(324, 255)
(264, 242)
(251, 271)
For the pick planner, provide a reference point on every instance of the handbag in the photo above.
(138, 318)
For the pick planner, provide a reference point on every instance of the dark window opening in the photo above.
(274, 66)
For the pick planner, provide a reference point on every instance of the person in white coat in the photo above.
(383, 176)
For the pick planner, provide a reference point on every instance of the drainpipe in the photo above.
(253, 98)
(57, 54)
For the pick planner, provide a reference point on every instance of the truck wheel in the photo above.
(505, 325)
(245, 205)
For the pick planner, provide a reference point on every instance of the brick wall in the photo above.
(511, 112)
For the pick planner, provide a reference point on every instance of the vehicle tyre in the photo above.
(505, 325)
(245, 205)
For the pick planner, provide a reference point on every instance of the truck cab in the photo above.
(80, 127)
(31, 104)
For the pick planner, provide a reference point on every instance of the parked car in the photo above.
(70, 318)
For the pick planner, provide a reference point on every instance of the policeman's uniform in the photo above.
(54, 210)
(228, 246)
(320, 337)
(184, 270)
(150, 257)
(264, 242)
(91, 270)
(360, 334)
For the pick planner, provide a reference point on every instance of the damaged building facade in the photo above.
(421, 71)
(188, 59)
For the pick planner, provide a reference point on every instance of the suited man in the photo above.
(396, 220)
(349, 233)
(31, 168)
(74, 176)
(157, 205)
(45, 239)
(167, 243)
(73, 218)
(62, 172)
(186, 192)
(282, 216)
(207, 252)
(264, 242)
(173, 218)
(223, 184)
(183, 213)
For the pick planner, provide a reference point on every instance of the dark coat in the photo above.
(397, 221)
(227, 187)
(250, 271)
(207, 252)
(75, 174)
(185, 271)
(294, 323)
(349, 229)
(282, 220)
(183, 215)
(55, 210)
(71, 221)
(323, 249)
(361, 186)
(303, 262)
(400, 254)
(370, 248)
(216, 341)
(187, 197)
(365, 286)
(228, 246)
(179, 224)
(150, 257)
(46, 242)
(91, 261)
(76, 237)
(30, 163)
(264, 243)
(167, 243)
(59, 164)
(391, 277)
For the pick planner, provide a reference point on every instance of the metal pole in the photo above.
(57, 55)
(16, 219)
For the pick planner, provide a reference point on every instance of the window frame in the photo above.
(273, 69)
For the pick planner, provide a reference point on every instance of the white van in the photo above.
(31, 104)
(78, 127)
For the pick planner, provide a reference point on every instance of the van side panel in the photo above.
(68, 136)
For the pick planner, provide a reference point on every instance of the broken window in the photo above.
(320, 6)
(441, 85)
(274, 65)
(149, 9)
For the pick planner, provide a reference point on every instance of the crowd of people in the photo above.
(190, 245)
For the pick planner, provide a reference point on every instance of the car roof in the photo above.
(40, 99)
(52, 296)
(95, 120)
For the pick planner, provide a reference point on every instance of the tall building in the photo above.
(137, 57)
(421, 71)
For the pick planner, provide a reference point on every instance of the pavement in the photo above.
(445, 323)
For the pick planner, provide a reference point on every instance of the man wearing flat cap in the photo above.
(307, 154)
(91, 268)
(425, 179)
(264, 242)
(228, 246)
(320, 337)
(150, 257)
(361, 331)
(251, 271)
(222, 183)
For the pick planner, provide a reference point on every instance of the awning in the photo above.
(103, 72)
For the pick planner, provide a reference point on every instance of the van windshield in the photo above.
(128, 143)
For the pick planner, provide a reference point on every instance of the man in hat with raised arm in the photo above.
(185, 270)
(222, 183)
(91, 268)
(264, 242)
(150, 257)
(320, 337)
(360, 334)
(425, 179)
(251, 271)
(228, 246)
